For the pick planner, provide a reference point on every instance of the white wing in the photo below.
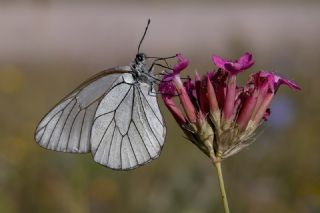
(110, 115)
(67, 127)
(128, 129)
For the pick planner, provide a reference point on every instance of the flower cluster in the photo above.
(215, 113)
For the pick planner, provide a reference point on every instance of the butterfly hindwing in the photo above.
(127, 134)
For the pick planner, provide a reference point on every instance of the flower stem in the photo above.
(222, 189)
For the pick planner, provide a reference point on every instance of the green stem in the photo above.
(222, 189)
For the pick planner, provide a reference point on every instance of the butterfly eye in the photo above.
(140, 57)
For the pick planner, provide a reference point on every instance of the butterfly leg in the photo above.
(160, 59)
(152, 91)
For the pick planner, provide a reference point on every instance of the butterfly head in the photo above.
(139, 64)
(140, 58)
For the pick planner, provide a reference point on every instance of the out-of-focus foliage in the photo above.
(279, 173)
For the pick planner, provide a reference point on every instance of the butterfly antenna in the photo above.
(144, 34)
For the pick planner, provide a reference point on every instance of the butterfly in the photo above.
(113, 115)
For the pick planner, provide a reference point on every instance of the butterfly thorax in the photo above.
(140, 69)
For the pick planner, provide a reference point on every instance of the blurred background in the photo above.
(49, 47)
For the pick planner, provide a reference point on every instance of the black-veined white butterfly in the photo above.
(112, 115)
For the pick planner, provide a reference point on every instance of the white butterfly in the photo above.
(112, 115)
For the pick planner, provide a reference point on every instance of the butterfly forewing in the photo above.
(112, 115)
(67, 127)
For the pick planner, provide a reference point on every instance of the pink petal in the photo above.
(234, 67)
(181, 65)
(246, 60)
(219, 62)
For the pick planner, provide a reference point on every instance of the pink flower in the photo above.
(167, 88)
(234, 67)
(274, 80)
(266, 85)
(181, 65)
(215, 113)
(170, 86)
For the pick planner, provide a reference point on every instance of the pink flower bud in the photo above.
(247, 110)
(175, 111)
(185, 100)
(262, 109)
(212, 99)
(230, 98)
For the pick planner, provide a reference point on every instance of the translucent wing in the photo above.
(67, 127)
(128, 129)
(111, 115)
